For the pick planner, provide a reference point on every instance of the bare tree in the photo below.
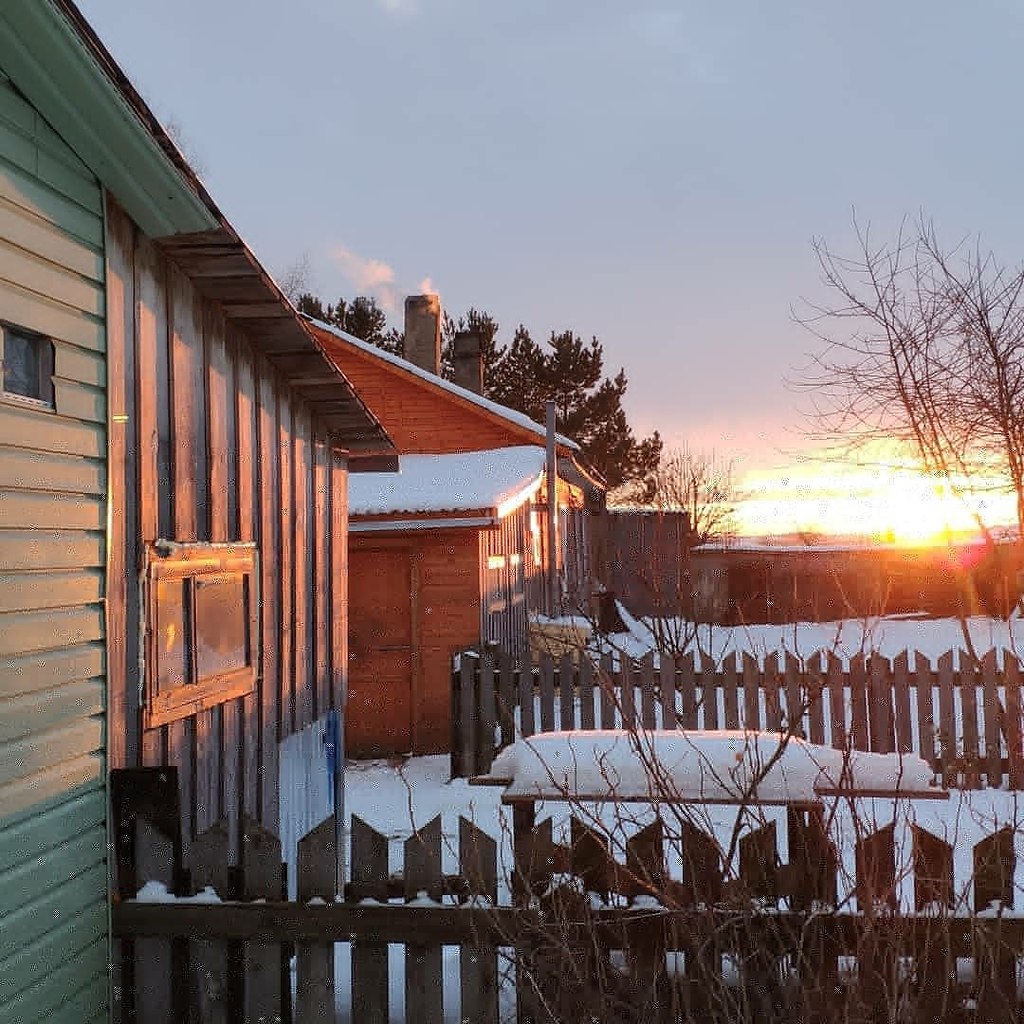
(924, 346)
(701, 485)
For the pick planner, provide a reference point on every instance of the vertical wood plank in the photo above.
(547, 693)
(339, 579)
(208, 988)
(926, 726)
(286, 567)
(464, 748)
(303, 550)
(607, 696)
(587, 691)
(248, 530)
(527, 725)
(261, 879)
(484, 751)
(314, 962)
(1012, 722)
(369, 959)
(188, 388)
(627, 692)
(836, 702)
(270, 531)
(155, 998)
(772, 690)
(647, 713)
(730, 686)
(423, 1002)
(566, 696)
(710, 681)
(859, 704)
(225, 514)
(686, 680)
(667, 684)
(152, 390)
(969, 718)
(880, 710)
(814, 686)
(794, 719)
(122, 738)
(993, 717)
(751, 695)
(901, 688)
(322, 575)
(946, 723)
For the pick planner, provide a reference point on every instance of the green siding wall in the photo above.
(53, 870)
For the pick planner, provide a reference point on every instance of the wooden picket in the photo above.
(963, 716)
(232, 958)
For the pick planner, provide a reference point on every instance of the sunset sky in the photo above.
(652, 173)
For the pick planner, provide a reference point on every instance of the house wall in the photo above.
(507, 568)
(444, 606)
(53, 874)
(209, 444)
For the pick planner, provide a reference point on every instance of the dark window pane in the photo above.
(221, 625)
(22, 364)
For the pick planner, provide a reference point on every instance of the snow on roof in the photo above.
(714, 765)
(512, 415)
(499, 478)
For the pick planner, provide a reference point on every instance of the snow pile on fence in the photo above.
(712, 766)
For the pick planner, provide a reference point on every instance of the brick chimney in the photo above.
(423, 332)
(469, 360)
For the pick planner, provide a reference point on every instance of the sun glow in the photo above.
(888, 500)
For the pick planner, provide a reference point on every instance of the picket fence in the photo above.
(596, 950)
(963, 716)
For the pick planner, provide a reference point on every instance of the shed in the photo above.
(173, 468)
(443, 555)
(445, 533)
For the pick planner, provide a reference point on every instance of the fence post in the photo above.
(487, 722)
(261, 879)
(478, 964)
(422, 870)
(969, 717)
(208, 865)
(369, 959)
(547, 692)
(880, 712)
(314, 967)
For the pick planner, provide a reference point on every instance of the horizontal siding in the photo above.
(49, 549)
(53, 513)
(51, 998)
(72, 474)
(41, 710)
(50, 511)
(40, 430)
(40, 670)
(47, 953)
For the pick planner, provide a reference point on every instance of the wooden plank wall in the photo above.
(222, 450)
(506, 556)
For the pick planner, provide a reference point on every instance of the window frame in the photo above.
(47, 359)
(188, 563)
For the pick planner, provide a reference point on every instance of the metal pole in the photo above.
(554, 597)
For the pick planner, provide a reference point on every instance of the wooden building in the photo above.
(173, 468)
(467, 568)
(743, 582)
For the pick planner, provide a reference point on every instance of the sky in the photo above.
(650, 173)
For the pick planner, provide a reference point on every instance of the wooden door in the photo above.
(378, 714)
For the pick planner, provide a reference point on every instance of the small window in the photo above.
(201, 619)
(27, 364)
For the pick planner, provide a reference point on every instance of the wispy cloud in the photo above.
(369, 276)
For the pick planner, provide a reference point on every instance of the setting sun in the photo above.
(888, 501)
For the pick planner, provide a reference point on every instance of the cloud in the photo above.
(368, 276)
